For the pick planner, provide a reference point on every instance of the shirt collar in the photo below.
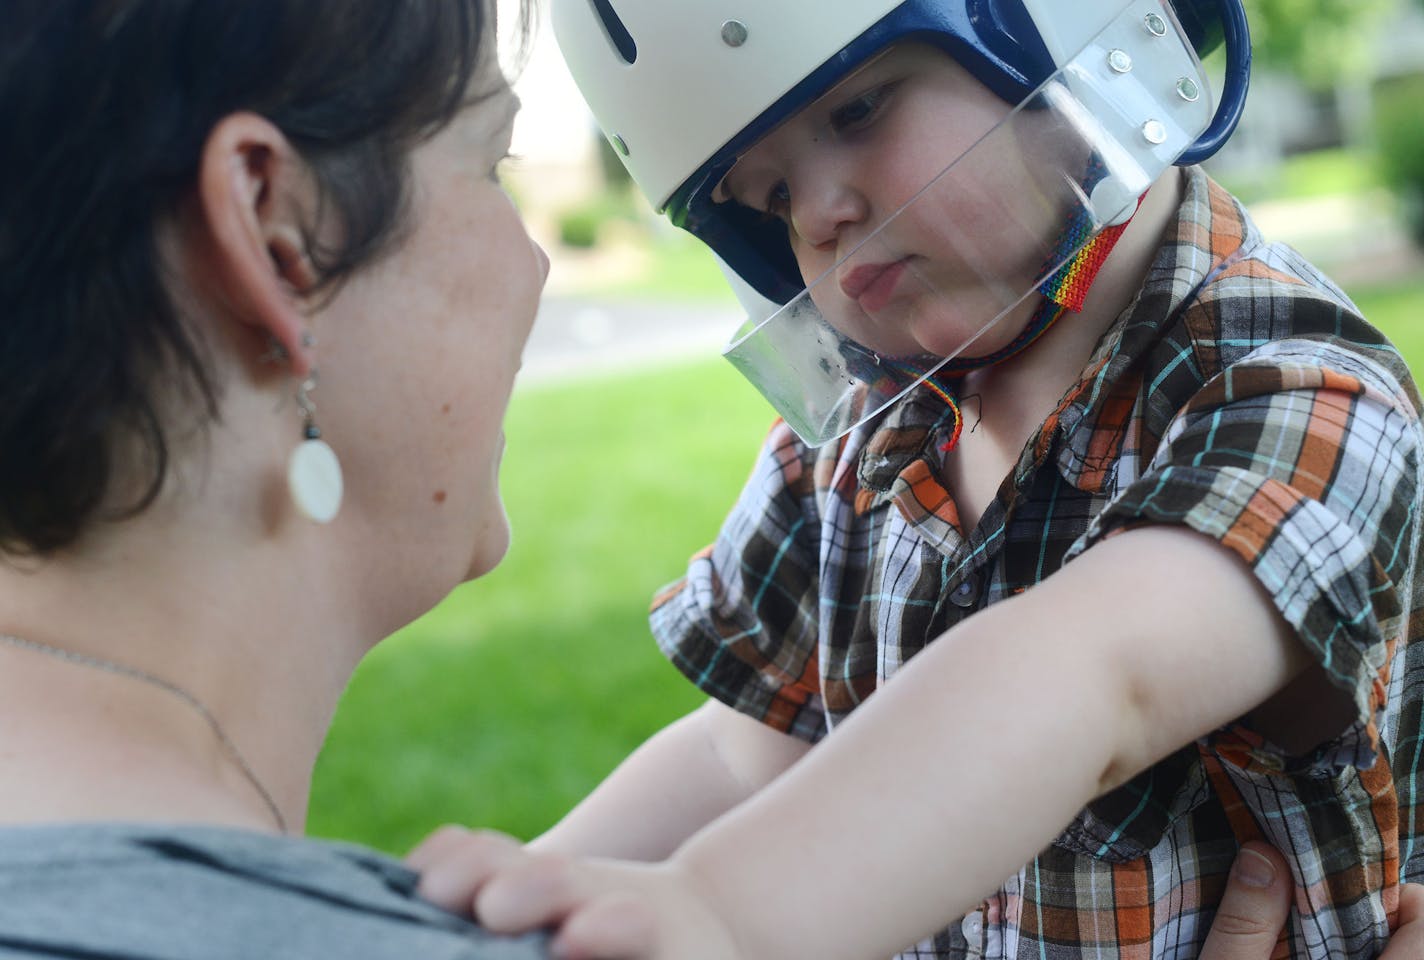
(1209, 231)
(903, 436)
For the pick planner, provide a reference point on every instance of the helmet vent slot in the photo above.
(617, 32)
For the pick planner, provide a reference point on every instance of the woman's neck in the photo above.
(80, 744)
(253, 636)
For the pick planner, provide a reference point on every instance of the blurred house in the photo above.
(555, 139)
(1284, 116)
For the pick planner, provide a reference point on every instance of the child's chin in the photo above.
(950, 336)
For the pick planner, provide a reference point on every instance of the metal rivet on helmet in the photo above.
(734, 33)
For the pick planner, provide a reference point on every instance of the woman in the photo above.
(206, 202)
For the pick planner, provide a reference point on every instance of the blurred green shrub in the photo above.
(1399, 130)
(579, 226)
(1303, 176)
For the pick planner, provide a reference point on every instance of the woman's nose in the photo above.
(542, 258)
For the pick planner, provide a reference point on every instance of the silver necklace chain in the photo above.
(109, 666)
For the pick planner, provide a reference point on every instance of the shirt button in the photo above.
(973, 928)
(966, 594)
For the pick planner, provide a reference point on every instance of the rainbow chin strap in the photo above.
(1063, 292)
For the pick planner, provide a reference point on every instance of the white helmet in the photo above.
(684, 89)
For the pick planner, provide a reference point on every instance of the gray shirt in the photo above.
(123, 892)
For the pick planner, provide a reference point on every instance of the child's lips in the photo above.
(872, 284)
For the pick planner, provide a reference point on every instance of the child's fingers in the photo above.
(1408, 940)
(455, 864)
(453, 838)
(538, 891)
(1254, 908)
(615, 927)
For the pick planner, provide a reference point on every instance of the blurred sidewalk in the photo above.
(1357, 241)
(574, 336)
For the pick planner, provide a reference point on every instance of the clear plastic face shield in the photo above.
(931, 221)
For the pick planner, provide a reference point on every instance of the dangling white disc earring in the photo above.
(313, 473)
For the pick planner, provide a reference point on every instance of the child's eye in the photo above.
(777, 205)
(859, 111)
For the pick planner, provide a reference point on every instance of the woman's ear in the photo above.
(254, 193)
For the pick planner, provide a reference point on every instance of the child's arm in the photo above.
(680, 780)
(959, 770)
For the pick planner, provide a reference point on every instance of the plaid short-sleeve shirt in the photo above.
(1240, 395)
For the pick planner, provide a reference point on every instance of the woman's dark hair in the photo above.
(105, 107)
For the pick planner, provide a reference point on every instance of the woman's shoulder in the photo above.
(200, 891)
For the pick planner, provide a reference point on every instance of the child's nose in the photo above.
(823, 208)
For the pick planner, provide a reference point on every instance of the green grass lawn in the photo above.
(1398, 309)
(508, 702)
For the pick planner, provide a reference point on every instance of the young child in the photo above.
(1086, 548)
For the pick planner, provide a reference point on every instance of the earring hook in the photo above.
(308, 407)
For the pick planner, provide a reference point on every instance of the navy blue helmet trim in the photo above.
(1235, 32)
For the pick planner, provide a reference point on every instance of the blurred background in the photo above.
(629, 438)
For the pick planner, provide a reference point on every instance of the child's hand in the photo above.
(602, 909)
(455, 864)
(608, 909)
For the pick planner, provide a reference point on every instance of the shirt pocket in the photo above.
(1127, 823)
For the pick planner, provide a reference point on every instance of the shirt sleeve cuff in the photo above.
(730, 668)
(1320, 577)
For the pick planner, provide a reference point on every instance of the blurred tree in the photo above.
(1400, 139)
(615, 175)
(1320, 41)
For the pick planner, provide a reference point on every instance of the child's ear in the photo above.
(253, 196)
